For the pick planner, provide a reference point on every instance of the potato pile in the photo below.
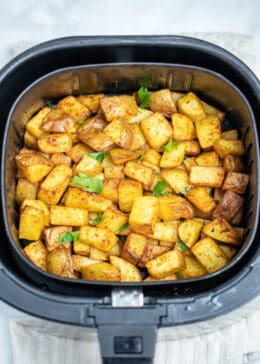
(130, 188)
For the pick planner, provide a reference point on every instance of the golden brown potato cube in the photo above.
(128, 272)
(220, 230)
(174, 158)
(55, 143)
(37, 254)
(151, 252)
(177, 179)
(167, 263)
(89, 166)
(208, 159)
(25, 190)
(33, 126)
(78, 151)
(139, 140)
(70, 105)
(134, 247)
(211, 110)
(174, 207)
(80, 248)
(101, 272)
(236, 182)
(193, 268)
(228, 250)
(59, 122)
(166, 231)
(237, 218)
(31, 224)
(110, 189)
(183, 127)
(60, 158)
(79, 262)
(191, 106)
(120, 133)
(114, 220)
(189, 162)
(30, 140)
(201, 199)
(55, 184)
(114, 172)
(169, 244)
(40, 205)
(75, 197)
(97, 237)
(206, 176)
(59, 262)
(128, 191)
(94, 124)
(68, 216)
(192, 147)
(202, 215)
(162, 101)
(152, 242)
(139, 173)
(141, 114)
(152, 157)
(115, 107)
(177, 95)
(229, 206)
(91, 101)
(208, 131)
(218, 194)
(209, 254)
(157, 130)
(225, 147)
(120, 156)
(230, 135)
(51, 237)
(96, 140)
(97, 254)
(189, 231)
(33, 165)
(143, 216)
(233, 163)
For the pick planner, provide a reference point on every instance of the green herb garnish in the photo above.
(183, 191)
(90, 184)
(180, 275)
(182, 246)
(176, 144)
(160, 188)
(50, 105)
(98, 219)
(68, 237)
(144, 97)
(140, 157)
(169, 146)
(122, 228)
(122, 238)
(80, 122)
(99, 156)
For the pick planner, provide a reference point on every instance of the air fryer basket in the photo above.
(111, 306)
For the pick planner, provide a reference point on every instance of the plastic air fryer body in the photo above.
(127, 315)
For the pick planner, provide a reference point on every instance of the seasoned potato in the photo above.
(100, 238)
(89, 166)
(236, 182)
(174, 207)
(167, 263)
(228, 250)
(128, 191)
(134, 247)
(80, 248)
(208, 159)
(76, 197)
(183, 127)
(157, 130)
(201, 199)
(192, 147)
(114, 220)
(79, 262)
(189, 162)
(152, 156)
(229, 205)
(40, 205)
(59, 262)
(97, 254)
(208, 131)
(162, 101)
(30, 141)
(139, 173)
(51, 237)
(191, 106)
(120, 133)
(218, 194)
(141, 114)
(59, 122)
(120, 156)
(55, 143)
(92, 102)
(206, 176)
(96, 140)
(78, 151)
(225, 147)
(68, 216)
(166, 231)
(220, 229)
(33, 126)
(233, 163)
(37, 253)
(143, 220)
(60, 158)
(128, 272)
(211, 110)
(110, 189)
(139, 140)
(101, 272)
(114, 172)
(193, 268)
(189, 231)
(174, 158)
(177, 179)
(230, 135)
(70, 105)
(115, 107)
(32, 221)
(25, 190)
(151, 252)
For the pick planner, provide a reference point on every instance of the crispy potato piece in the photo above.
(167, 263)
(177, 179)
(220, 230)
(166, 231)
(189, 231)
(134, 247)
(25, 190)
(128, 272)
(139, 173)
(101, 272)
(208, 159)
(193, 268)
(233, 163)
(59, 122)
(115, 107)
(237, 218)
(191, 106)
(208, 131)
(218, 194)
(80, 248)
(229, 205)
(183, 127)
(68, 216)
(211, 110)
(143, 220)
(33, 126)
(230, 135)
(37, 254)
(236, 182)
(174, 207)
(96, 140)
(128, 191)
(78, 151)
(192, 147)
(114, 220)
(209, 254)
(70, 105)
(51, 237)
(91, 101)
(225, 147)
(59, 262)
(162, 101)
(100, 238)
(94, 124)
(120, 133)
(157, 130)
(177, 95)
(120, 156)
(110, 189)
(141, 114)
(55, 143)
(151, 252)
(55, 184)
(139, 140)
(40, 205)
(189, 162)
(31, 224)
(76, 197)
(30, 140)
(201, 199)
(114, 172)
(89, 166)
(152, 242)
(33, 165)
(206, 176)
(174, 158)
(202, 215)
(79, 262)
(97, 254)
(228, 250)
(152, 157)
(60, 158)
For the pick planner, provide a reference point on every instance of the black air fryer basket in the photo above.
(127, 315)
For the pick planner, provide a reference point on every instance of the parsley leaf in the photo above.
(69, 236)
(182, 246)
(80, 122)
(122, 238)
(99, 156)
(90, 184)
(176, 144)
(98, 219)
(180, 275)
(140, 157)
(50, 105)
(122, 228)
(169, 146)
(160, 188)
(144, 97)
(183, 191)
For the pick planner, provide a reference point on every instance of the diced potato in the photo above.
(218, 194)
(110, 189)
(128, 272)
(162, 101)
(78, 151)
(201, 199)
(174, 207)
(157, 130)
(120, 156)
(169, 244)
(183, 127)
(189, 162)
(100, 238)
(189, 231)
(170, 277)
(177, 179)
(91, 101)
(96, 140)
(134, 247)
(151, 252)
(120, 133)
(237, 218)
(233, 163)
(55, 184)
(220, 230)
(70, 105)
(166, 231)
(97, 254)
(55, 143)
(59, 122)
(79, 262)
(139, 173)
(143, 216)
(240, 232)
(139, 140)
(206, 176)
(37, 254)
(80, 248)
(101, 272)
(229, 206)
(115, 107)
(33, 126)
(94, 124)
(208, 159)
(230, 135)
(141, 114)
(193, 268)
(191, 106)
(114, 220)
(59, 262)
(51, 237)
(30, 140)
(177, 95)
(25, 190)
(152, 157)
(107, 161)
(113, 172)
(236, 182)
(228, 250)
(33, 165)
(209, 254)
(68, 216)
(192, 147)
(40, 205)
(211, 110)
(208, 131)
(76, 197)
(60, 158)
(128, 191)
(225, 147)
(174, 158)
(31, 224)
(202, 215)
(152, 242)
(167, 263)
(89, 166)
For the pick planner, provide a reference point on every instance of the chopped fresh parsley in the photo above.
(180, 275)
(90, 184)
(122, 238)
(140, 157)
(169, 146)
(183, 191)
(122, 228)
(176, 144)
(98, 219)
(68, 237)
(81, 121)
(144, 97)
(182, 246)
(99, 156)
(160, 188)
(50, 104)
